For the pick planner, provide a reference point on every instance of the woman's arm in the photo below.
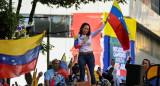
(93, 34)
(78, 45)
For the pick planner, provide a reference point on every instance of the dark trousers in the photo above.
(88, 59)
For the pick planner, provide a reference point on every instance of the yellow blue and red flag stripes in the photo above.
(109, 33)
(118, 24)
(20, 56)
(76, 45)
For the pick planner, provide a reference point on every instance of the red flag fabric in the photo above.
(20, 64)
(118, 24)
(64, 71)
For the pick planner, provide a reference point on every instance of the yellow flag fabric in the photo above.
(96, 76)
(64, 57)
(20, 46)
(152, 72)
(116, 5)
(34, 81)
(131, 27)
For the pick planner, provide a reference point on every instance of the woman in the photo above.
(83, 43)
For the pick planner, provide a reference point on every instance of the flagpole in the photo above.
(47, 48)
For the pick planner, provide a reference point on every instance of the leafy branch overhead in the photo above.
(70, 3)
(46, 47)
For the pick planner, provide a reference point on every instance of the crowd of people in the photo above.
(108, 78)
(86, 62)
(82, 73)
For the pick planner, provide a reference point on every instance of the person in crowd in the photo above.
(112, 74)
(145, 63)
(72, 63)
(82, 42)
(51, 77)
(76, 73)
(85, 83)
(39, 76)
(99, 73)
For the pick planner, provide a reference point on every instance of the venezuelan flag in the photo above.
(20, 56)
(64, 71)
(110, 33)
(118, 24)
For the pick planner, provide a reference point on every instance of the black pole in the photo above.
(10, 9)
(47, 48)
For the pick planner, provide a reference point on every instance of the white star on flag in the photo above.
(14, 63)
(12, 60)
(4, 58)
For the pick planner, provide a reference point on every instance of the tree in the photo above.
(9, 20)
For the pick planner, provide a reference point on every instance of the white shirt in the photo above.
(86, 47)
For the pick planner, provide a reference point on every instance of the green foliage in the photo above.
(3, 5)
(45, 47)
(9, 21)
(70, 3)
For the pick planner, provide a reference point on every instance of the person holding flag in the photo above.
(36, 78)
(51, 77)
(56, 75)
(82, 42)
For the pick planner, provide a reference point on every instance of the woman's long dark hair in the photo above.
(89, 32)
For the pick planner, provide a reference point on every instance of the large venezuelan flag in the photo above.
(118, 24)
(109, 34)
(20, 56)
